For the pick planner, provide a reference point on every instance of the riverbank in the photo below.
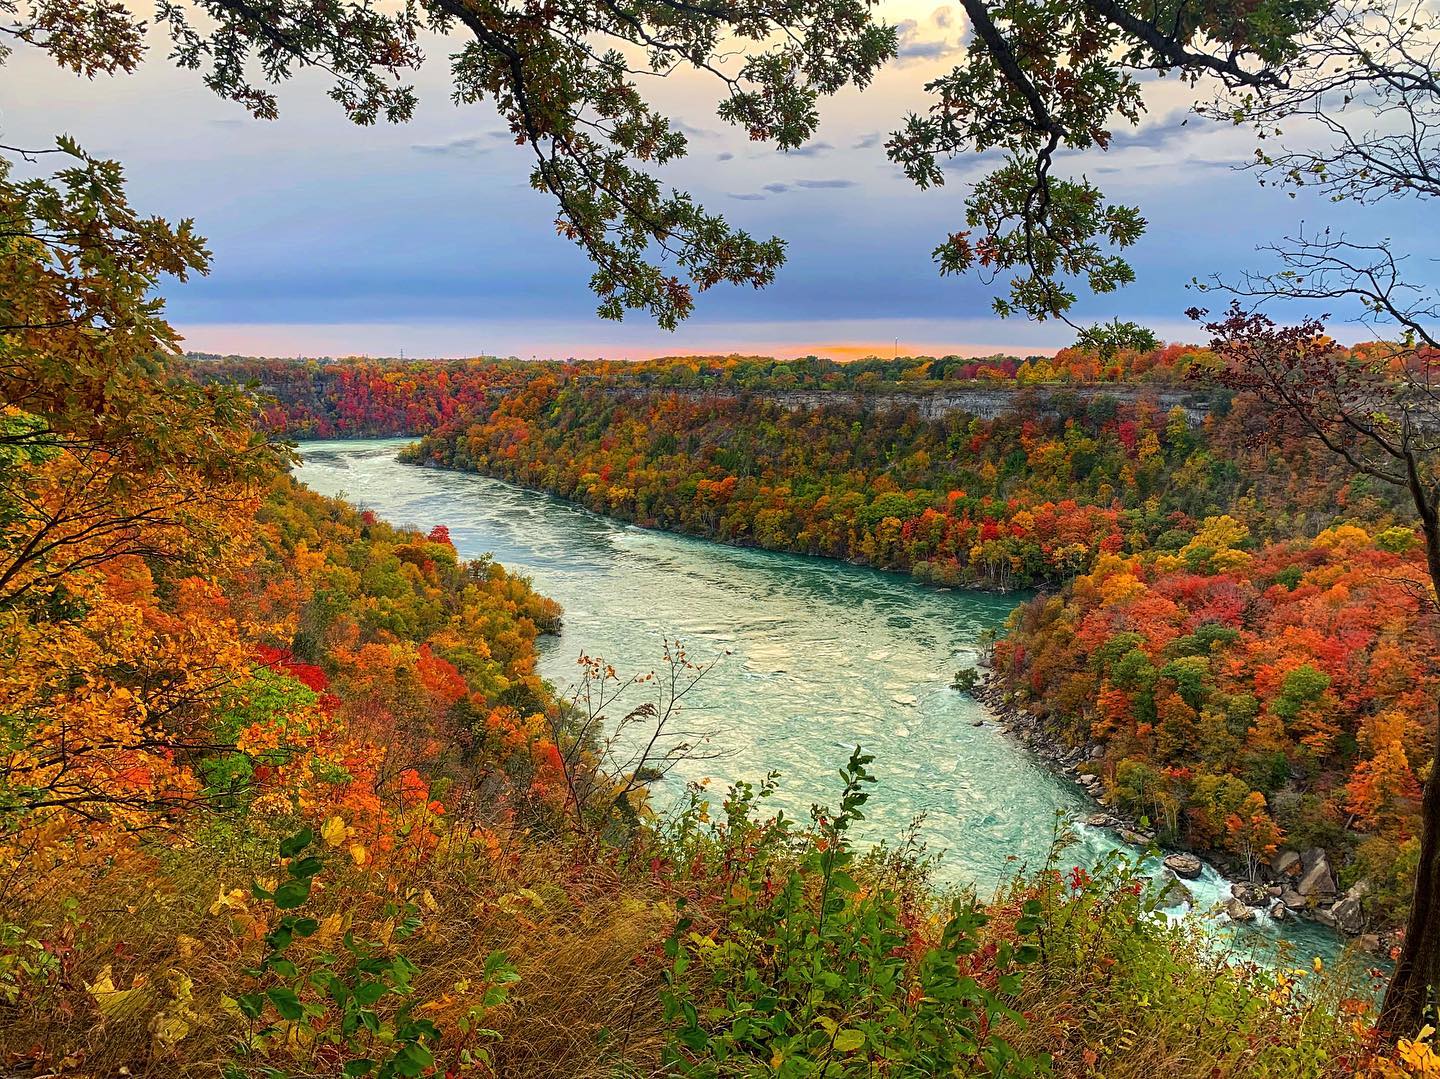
(1292, 884)
(922, 574)
(822, 655)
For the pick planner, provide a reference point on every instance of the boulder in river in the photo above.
(1293, 899)
(1134, 838)
(1349, 917)
(1279, 912)
(1349, 912)
(1184, 865)
(1252, 895)
(1172, 891)
(1237, 911)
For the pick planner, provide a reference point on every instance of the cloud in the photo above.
(928, 41)
(752, 196)
(726, 156)
(868, 141)
(693, 131)
(778, 188)
(1189, 164)
(460, 146)
(1170, 128)
(811, 149)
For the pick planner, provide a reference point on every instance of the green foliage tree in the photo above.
(805, 972)
(566, 79)
(1039, 77)
(1110, 338)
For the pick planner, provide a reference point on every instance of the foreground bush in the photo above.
(792, 965)
(726, 945)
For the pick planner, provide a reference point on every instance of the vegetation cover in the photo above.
(129, 494)
(283, 796)
(1231, 620)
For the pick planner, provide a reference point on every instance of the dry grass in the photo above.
(584, 941)
(1164, 1001)
(585, 936)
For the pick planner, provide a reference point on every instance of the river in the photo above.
(814, 656)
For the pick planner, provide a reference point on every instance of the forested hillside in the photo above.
(1226, 620)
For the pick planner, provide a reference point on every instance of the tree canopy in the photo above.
(565, 77)
(1341, 94)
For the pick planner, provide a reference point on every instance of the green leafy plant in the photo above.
(806, 971)
(354, 1007)
(965, 680)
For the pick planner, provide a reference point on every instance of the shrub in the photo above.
(794, 967)
(966, 679)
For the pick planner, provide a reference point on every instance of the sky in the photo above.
(426, 238)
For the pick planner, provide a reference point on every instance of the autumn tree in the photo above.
(109, 447)
(115, 468)
(1378, 412)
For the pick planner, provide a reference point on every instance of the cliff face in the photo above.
(986, 402)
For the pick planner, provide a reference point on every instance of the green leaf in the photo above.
(369, 992)
(286, 1003)
(848, 1040)
(412, 1060)
(293, 845)
(292, 894)
(306, 867)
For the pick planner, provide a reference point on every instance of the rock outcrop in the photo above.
(1185, 865)
(1316, 879)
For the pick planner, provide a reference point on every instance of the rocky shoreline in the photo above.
(1293, 884)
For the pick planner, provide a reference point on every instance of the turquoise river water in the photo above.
(815, 656)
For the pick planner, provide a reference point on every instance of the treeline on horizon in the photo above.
(329, 397)
(1230, 622)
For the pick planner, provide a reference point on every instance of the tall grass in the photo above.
(1076, 974)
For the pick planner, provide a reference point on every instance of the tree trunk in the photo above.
(1410, 991)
